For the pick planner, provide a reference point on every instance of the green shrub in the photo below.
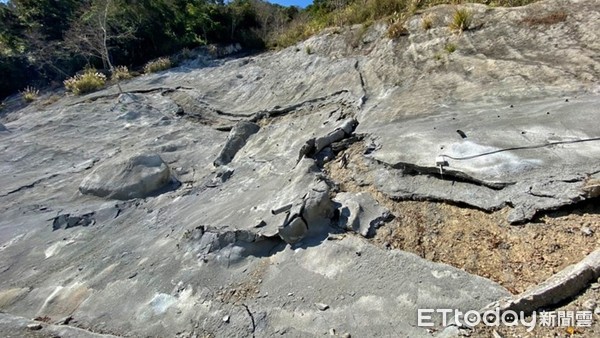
(30, 94)
(120, 73)
(450, 48)
(157, 65)
(461, 20)
(89, 81)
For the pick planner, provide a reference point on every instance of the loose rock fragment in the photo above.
(34, 326)
(67, 221)
(235, 141)
(322, 306)
(590, 305)
(293, 231)
(361, 213)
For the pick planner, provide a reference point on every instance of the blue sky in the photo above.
(299, 3)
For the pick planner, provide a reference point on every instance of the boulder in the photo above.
(123, 179)
(294, 231)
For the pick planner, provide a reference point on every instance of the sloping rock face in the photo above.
(249, 247)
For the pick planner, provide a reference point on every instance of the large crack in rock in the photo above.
(525, 168)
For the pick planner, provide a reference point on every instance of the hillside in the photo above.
(333, 187)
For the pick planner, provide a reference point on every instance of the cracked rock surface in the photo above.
(250, 237)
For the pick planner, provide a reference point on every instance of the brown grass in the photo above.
(548, 19)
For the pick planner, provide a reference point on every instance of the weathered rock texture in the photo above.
(248, 240)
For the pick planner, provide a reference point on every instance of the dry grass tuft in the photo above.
(461, 20)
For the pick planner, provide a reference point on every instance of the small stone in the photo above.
(587, 231)
(464, 333)
(595, 286)
(322, 306)
(226, 318)
(34, 326)
(290, 294)
(346, 335)
(65, 320)
(332, 332)
(590, 305)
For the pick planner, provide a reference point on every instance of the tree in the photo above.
(50, 17)
(97, 30)
(11, 31)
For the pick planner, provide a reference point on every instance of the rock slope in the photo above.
(196, 203)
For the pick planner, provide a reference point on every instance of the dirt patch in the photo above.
(517, 257)
(546, 20)
(247, 289)
(484, 244)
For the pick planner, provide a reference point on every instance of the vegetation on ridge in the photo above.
(48, 41)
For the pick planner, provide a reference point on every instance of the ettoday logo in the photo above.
(497, 318)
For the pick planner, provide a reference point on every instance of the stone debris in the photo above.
(34, 326)
(322, 306)
(293, 231)
(590, 305)
(66, 221)
(361, 213)
(592, 187)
